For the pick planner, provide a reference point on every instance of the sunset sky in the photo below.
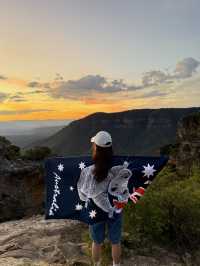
(67, 59)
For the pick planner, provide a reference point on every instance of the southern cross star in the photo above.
(71, 188)
(79, 207)
(92, 214)
(60, 167)
(148, 170)
(81, 165)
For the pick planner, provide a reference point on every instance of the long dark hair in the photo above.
(102, 158)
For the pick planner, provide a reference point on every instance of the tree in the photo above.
(37, 153)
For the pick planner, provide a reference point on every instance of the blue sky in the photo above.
(74, 40)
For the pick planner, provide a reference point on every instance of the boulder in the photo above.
(36, 241)
(21, 190)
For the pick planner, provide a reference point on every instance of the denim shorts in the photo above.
(114, 227)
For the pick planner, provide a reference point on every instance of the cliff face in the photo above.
(188, 140)
(134, 132)
(22, 187)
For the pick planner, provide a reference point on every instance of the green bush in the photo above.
(169, 212)
(7, 150)
(37, 153)
(12, 152)
(4, 140)
(167, 215)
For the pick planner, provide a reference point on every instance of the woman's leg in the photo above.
(116, 253)
(114, 231)
(97, 233)
(96, 252)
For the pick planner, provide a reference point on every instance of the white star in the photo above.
(126, 164)
(82, 165)
(79, 207)
(148, 170)
(60, 167)
(71, 188)
(92, 214)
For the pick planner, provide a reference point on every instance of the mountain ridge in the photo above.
(134, 132)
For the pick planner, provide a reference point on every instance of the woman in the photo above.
(95, 178)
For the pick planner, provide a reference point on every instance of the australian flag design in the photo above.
(62, 200)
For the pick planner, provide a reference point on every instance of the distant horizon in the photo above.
(34, 120)
(27, 126)
(68, 120)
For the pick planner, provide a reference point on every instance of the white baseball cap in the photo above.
(102, 139)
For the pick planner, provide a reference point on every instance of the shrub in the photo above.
(12, 152)
(4, 140)
(169, 212)
(37, 153)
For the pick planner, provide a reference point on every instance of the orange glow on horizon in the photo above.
(43, 107)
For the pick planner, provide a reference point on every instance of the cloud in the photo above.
(58, 77)
(154, 77)
(3, 96)
(17, 98)
(186, 68)
(153, 93)
(72, 89)
(25, 111)
(36, 92)
(94, 85)
(89, 82)
(34, 84)
(37, 84)
(3, 77)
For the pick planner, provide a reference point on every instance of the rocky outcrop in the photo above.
(22, 186)
(35, 241)
(4, 145)
(188, 140)
(21, 190)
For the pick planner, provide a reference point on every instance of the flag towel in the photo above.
(130, 176)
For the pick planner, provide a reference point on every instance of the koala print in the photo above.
(118, 187)
(116, 184)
